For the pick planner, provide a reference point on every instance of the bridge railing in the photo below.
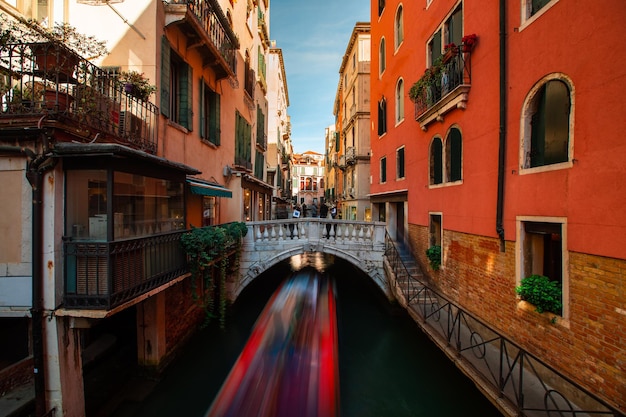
(316, 230)
(532, 386)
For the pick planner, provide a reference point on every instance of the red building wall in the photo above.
(575, 41)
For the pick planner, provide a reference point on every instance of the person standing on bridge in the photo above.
(323, 211)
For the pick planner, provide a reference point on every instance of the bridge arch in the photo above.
(267, 243)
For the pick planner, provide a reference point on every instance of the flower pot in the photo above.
(57, 100)
(50, 59)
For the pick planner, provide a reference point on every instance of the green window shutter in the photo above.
(436, 52)
(186, 86)
(203, 110)
(165, 77)
(456, 152)
(214, 118)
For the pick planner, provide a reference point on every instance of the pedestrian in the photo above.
(303, 210)
(333, 212)
(314, 210)
(324, 211)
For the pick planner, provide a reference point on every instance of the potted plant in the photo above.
(136, 84)
(449, 51)
(543, 293)
(434, 256)
(58, 48)
(468, 42)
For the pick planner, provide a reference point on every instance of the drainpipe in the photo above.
(502, 141)
(36, 168)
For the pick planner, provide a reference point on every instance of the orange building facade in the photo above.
(495, 137)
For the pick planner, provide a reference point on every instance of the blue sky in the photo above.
(313, 36)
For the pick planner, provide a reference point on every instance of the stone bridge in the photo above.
(269, 242)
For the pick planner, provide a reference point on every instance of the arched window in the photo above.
(547, 116)
(382, 62)
(454, 153)
(399, 28)
(382, 116)
(400, 101)
(436, 162)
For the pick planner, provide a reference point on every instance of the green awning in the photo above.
(207, 188)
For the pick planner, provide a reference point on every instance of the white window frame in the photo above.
(526, 18)
(525, 128)
(398, 27)
(519, 258)
(399, 107)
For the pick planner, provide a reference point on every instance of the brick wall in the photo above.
(589, 346)
(16, 375)
(183, 315)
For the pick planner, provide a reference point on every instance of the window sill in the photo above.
(546, 168)
(552, 318)
(446, 184)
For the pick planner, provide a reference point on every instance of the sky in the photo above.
(313, 36)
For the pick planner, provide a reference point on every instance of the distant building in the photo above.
(352, 115)
(308, 180)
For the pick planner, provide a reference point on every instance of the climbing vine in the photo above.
(208, 248)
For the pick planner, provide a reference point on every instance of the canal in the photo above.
(387, 366)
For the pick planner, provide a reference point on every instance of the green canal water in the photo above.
(387, 366)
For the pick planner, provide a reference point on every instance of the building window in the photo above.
(383, 170)
(141, 205)
(400, 163)
(546, 125)
(209, 211)
(436, 165)
(243, 142)
(435, 239)
(209, 114)
(543, 251)
(400, 101)
(382, 60)
(399, 28)
(176, 87)
(450, 32)
(381, 6)
(532, 7)
(434, 48)
(454, 154)
(382, 117)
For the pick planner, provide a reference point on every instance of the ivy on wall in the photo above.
(209, 253)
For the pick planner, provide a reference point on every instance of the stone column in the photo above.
(151, 343)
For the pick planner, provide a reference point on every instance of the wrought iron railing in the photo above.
(215, 24)
(350, 155)
(47, 79)
(531, 386)
(442, 80)
(103, 275)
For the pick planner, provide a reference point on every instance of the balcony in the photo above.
(104, 275)
(206, 26)
(48, 84)
(350, 155)
(443, 88)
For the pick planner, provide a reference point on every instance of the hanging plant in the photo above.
(206, 248)
(434, 256)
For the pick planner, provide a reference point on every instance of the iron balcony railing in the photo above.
(442, 79)
(103, 275)
(46, 79)
(531, 386)
(214, 23)
(350, 155)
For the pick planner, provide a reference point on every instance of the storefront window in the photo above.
(141, 206)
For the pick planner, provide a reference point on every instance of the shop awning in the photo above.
(207, 188)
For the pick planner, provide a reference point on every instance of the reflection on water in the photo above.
(387, 366)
